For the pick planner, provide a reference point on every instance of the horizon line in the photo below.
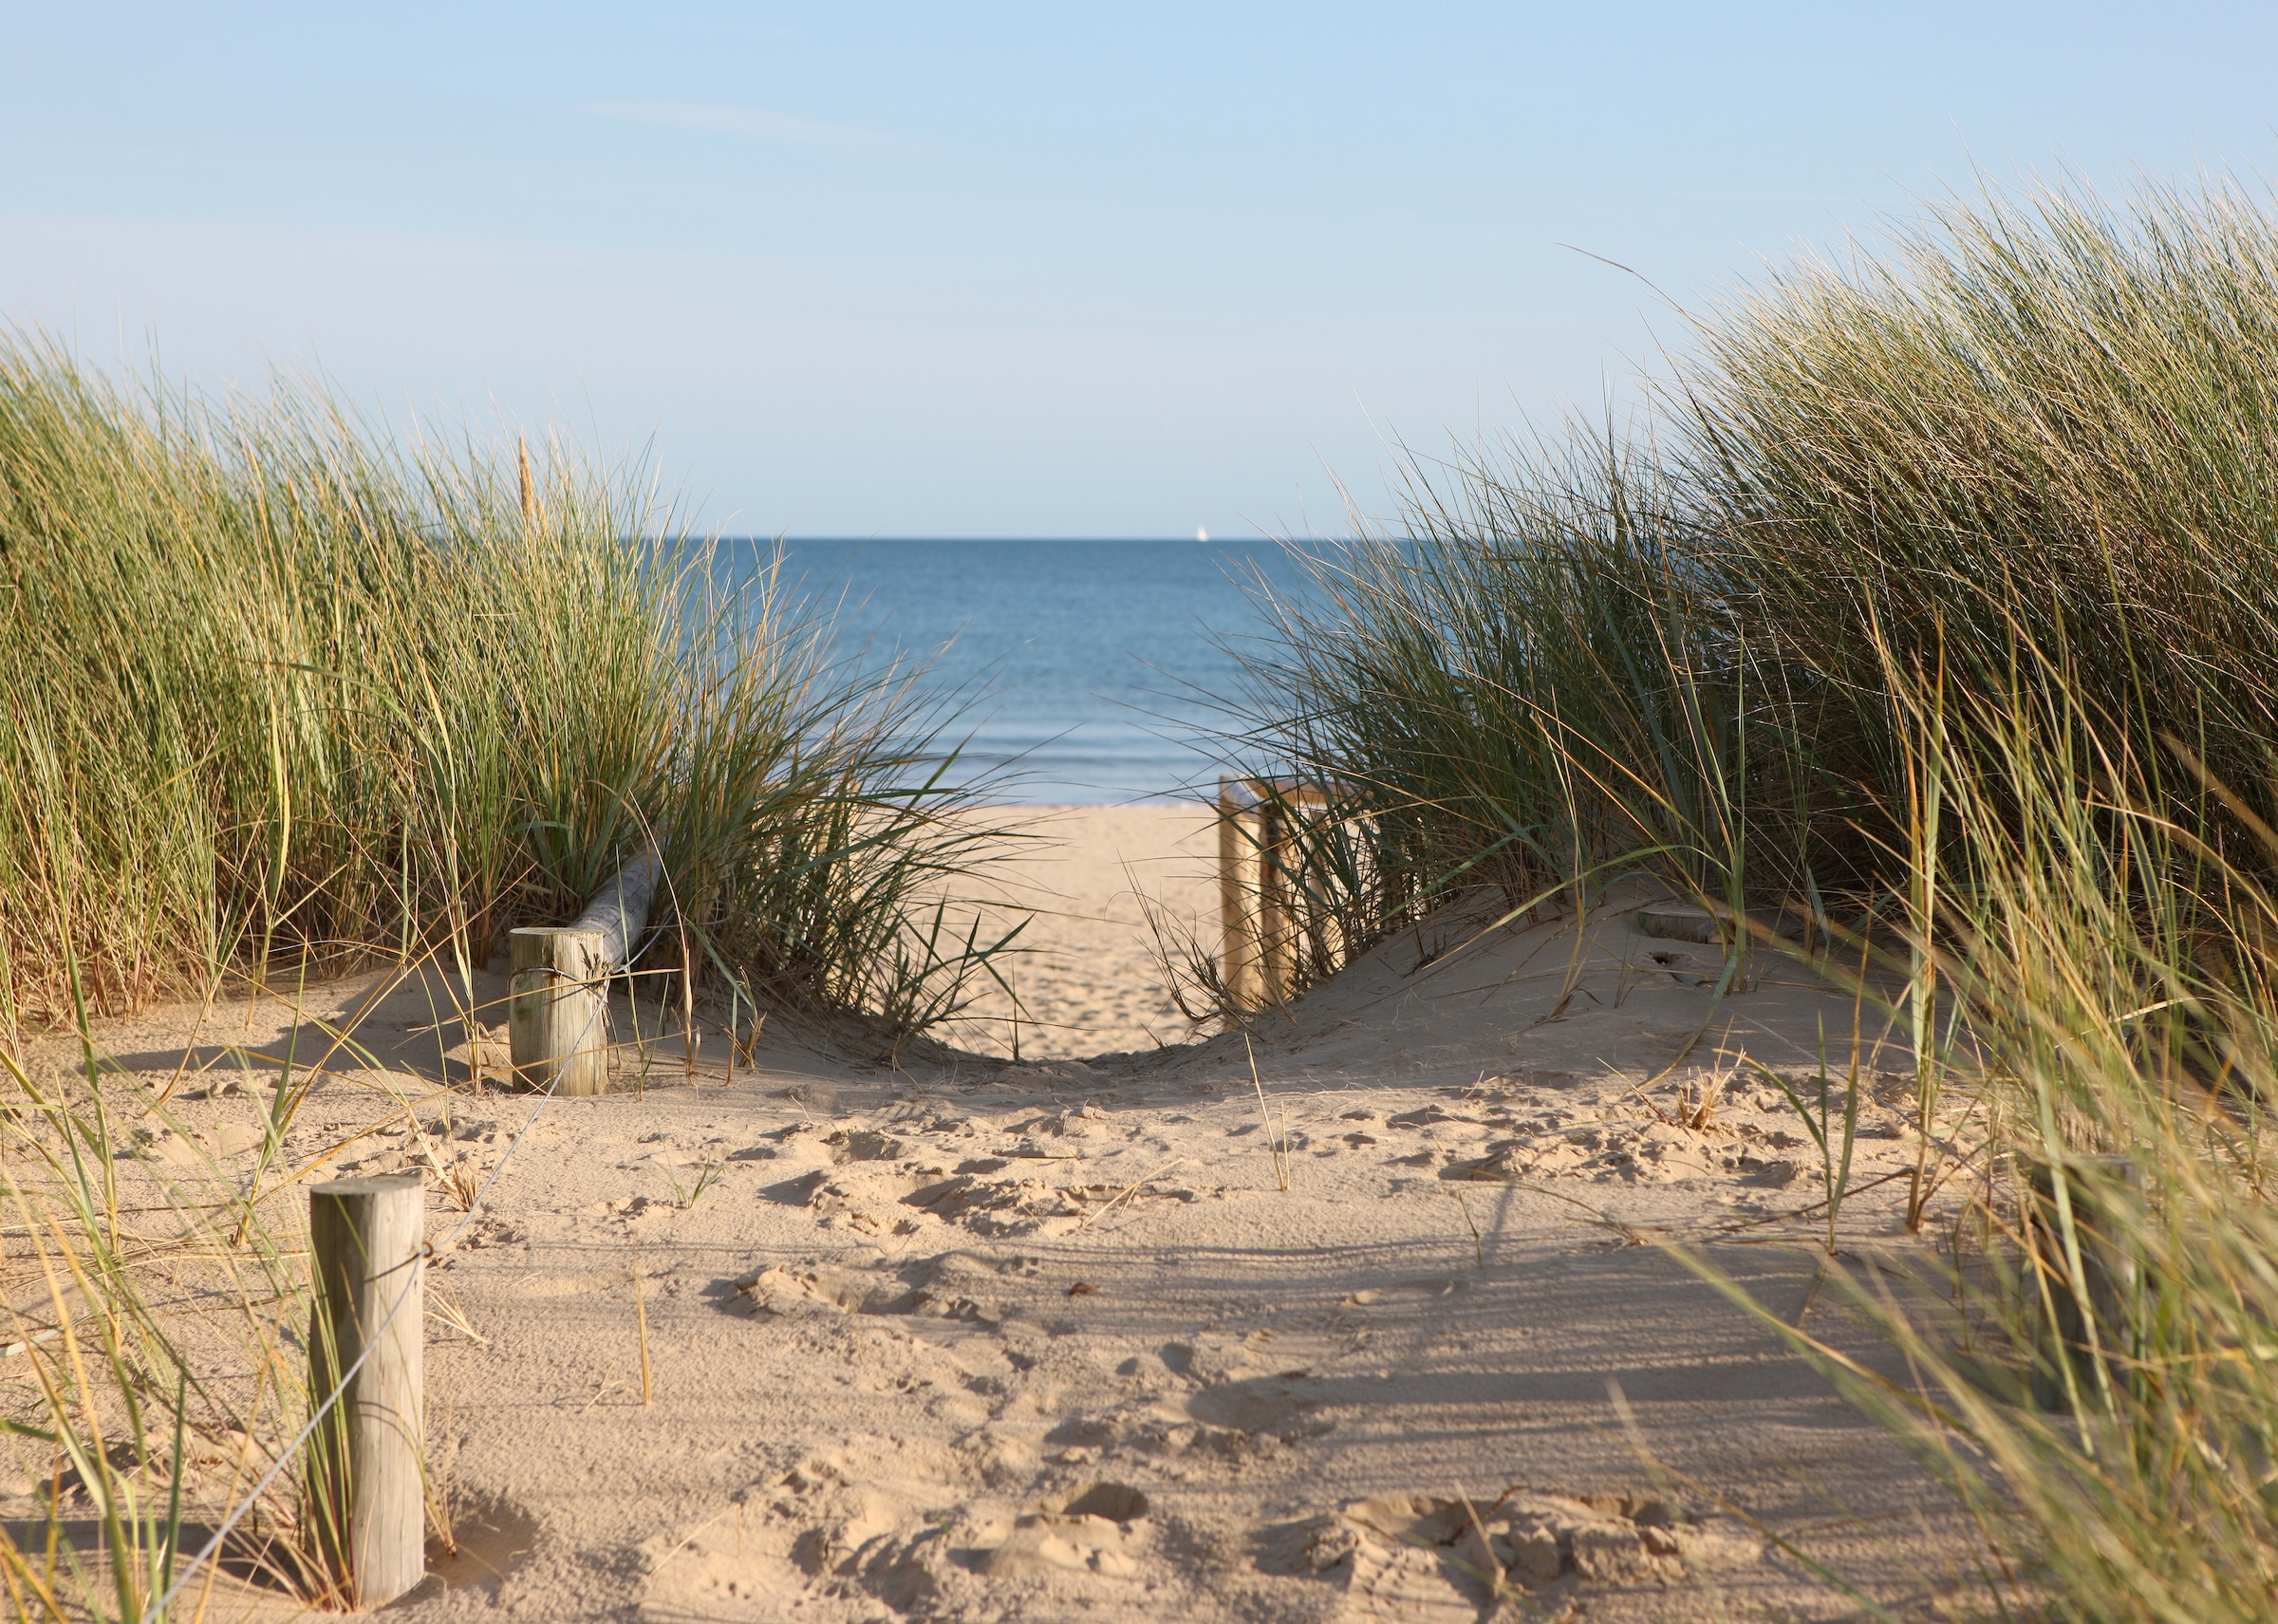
(1179, 540)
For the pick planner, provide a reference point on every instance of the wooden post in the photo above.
(2101, 1190)
(368, 1244)
(1239, 847)
(557, 1011)
(1274, 914)
(1259, 856)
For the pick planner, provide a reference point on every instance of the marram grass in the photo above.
(1934, 597)
(2040, 430)
(281, 689)
(285, 695)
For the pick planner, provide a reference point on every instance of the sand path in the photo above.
(970, 1341)
(1089, 977)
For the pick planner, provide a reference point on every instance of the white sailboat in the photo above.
(1201, 534)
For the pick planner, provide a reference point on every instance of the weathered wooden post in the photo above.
(1274, 915)
(2104, 1193)
(1241, 848)
(368, 1244)
(1293, 809)
(1259, 859)
(557, 1011)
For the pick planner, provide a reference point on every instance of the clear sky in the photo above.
(1063, 269)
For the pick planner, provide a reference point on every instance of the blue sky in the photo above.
(1021, 270)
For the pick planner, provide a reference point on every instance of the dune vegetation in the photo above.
(287, 696)
(1931, 598)
(1924, 604)
(283, 693)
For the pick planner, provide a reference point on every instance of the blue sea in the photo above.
(1093, 667)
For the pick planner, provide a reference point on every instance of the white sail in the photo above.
(1201, 534)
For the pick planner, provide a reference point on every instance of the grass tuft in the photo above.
(1931, 601)
(285, 692)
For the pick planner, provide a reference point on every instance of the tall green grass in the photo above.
(284, 689)
(1536, 686)
(2042, 429)
(2111, 975)
(286, 695)
(1935, 596)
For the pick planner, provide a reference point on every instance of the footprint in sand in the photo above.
(1430, 1560)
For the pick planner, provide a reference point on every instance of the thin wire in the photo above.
(427, 1250)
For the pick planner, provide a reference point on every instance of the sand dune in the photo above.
(1115, 1340)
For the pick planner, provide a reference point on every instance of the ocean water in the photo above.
(1093, 666)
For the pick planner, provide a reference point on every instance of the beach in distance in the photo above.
(1092, 669)
(1087, 677)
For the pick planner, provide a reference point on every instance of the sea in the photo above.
(1085, 672)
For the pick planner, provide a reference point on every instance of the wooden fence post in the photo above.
(1241, 848)
(368, 1243)
(1276, 918)
(1261, 854)
(557, 1009)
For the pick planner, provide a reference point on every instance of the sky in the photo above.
(1051, 270)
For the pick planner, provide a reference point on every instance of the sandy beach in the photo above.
(1086, 816)
(1358, 1336)
(1089, 977)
